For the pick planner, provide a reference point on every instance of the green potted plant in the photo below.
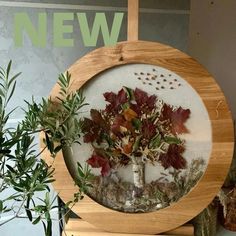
(21, 168)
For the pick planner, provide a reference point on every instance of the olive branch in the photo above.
(21, 169)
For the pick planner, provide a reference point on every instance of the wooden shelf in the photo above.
(78, 227)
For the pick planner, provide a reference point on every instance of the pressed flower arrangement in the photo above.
(136, 128)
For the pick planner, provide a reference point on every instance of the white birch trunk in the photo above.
(138, 174)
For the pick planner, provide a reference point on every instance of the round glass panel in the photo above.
(146, 137)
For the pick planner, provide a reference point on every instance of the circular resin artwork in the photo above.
(146, 137)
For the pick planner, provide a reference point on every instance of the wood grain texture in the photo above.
(78, 227)
(133, 20)
(222, 135)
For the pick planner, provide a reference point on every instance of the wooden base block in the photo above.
(78, 227)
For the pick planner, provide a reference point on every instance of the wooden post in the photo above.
(133, 20)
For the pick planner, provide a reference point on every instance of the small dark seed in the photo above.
(162, 87)
(175, 80)
(162, 75)
(139, 78)
(164, 80)
(157, 88)
(179, 84)
(148, 74)
(170, 83)
(158, 82)
(170, 75)
(153, 69)
(153, 78)
(135, 73)
(150, 83)
(147, 79)
(144, 82)
(171, 88)
(141, 73)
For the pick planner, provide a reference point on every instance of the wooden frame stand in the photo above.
(222, 139)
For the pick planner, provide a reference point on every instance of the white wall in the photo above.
(212, 41)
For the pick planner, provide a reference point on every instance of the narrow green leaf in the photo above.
(29, 214)
(49, 181)
(36, 221)
(8, 69)
(28, 203)
(18, 189)
(136, 143)
(13, 79)
(10, 168)
(49, 143)
(1, 93)
(44, 227)
(12, 91)
(137, 123)
(58, 148)
(156, 141)
(173, 140)
(129, 93)
(1, 206)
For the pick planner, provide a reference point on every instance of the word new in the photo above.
(63, 29)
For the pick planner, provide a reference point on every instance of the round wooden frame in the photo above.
(222, 135)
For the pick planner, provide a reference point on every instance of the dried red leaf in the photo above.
(91, 131)
(148, 129)
(173, 157)
(115, 100)
(140, 96)
(119, 123)
(89, 138)
(176, 118)
(86, 125)
(96, 116)
(110, 97)
(100, 162)
(122, 96)
(152, 102)
(145, 102)
(136, 108)
(93, 128)
(98, 119)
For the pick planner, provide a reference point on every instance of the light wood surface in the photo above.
(133, 20)
(77, 227)
(222, 135)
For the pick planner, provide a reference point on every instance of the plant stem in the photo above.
(1, 224)
(41, 152)
(17, 213)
